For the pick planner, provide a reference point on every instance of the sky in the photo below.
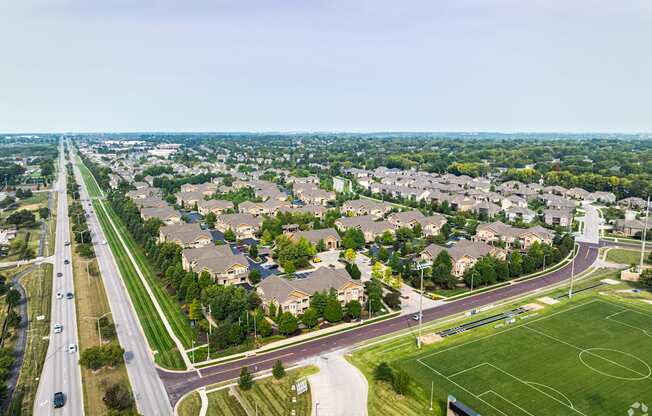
(335, 65)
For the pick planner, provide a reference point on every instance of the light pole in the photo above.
(570, 289)
(647, 212)
(432, 387)
(422, 267)
(544, 262)
(88, 274)
(98, 319)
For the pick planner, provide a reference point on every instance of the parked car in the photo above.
(59, 400)
(58, 328)
(316, 260)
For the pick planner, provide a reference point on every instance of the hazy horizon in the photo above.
(326, 66)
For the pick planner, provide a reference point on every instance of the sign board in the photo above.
(302, 385)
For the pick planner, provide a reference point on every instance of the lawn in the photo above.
(177, 319)
(159, 340)
(94, 190)
(190, 405)
(38, 285)
(624, 256)
(268, 396)
(589, 357)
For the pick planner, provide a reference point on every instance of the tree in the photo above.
(92, 358)
(353, 239)
(254, 276)
(333, 310)
(229, 235)
(310, 317)
(383, 254)
(194, 310)
(515, 261)
(44, 213)
(354, 309)
(253, 251)
(287, 323)
(210, 220)
(318, 302)
(13, 297)
(13, 319)
(646, 277)
(349, 255)
(278, 371)
(393, 299)
(383, 372)
(246, 380)
(118, 397)
(320, 246)
(400, 382)
(263, 327)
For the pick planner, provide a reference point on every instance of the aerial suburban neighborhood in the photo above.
(342, 208)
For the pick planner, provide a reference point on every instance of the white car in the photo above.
(59, 295)
(72, 348)
(103, 242)
(58, 328)
(417, 316)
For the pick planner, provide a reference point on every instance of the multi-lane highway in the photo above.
(148, 389)
(180, 383)
(61, 372)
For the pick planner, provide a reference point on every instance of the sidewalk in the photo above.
(338, 389)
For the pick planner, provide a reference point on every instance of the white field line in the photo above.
(150, 293)
(506, 400)
(509, 329)
(586, 351)
(462, 387)
(645, 331)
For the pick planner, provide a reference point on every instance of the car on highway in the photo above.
(69, 295)
(59, 400)
(103, 242)
(59, 274)
(72, 348)
(67, 243)
(417, 316)
(66, 261)
(58, 328)
(59, 295)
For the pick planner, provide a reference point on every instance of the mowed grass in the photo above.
(626, 257)
(590, 357)
(38, 285)
(268, 397)
(93, 188)
(190, 405)
(179, 322)
(167, 355)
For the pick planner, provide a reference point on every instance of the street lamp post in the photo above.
(98, 319)
(570, 289)
(422, 267)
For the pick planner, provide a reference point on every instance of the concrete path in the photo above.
(592, 223)
(204, 401)
(339, 389)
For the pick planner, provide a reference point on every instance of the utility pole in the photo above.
(570, 289)
(647, 214)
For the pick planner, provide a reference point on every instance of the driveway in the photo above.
(592, 223)
(339, 389)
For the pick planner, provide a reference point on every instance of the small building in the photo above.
(328, 235)
(185, 235)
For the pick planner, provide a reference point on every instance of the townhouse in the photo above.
(328, 235)
(366, 206)
(464, 254)
(498, 231)
(165, 214)
(269, 207)
(558, 217)
(216, 206)
(219, 262)
(185, 235)
(367, 224)
(293, 295)
(242, 225)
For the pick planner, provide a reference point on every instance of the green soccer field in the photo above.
(590, 358)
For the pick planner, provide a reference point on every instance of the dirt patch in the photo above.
(610, 281)
(431, 338)
(533, 307)
(548, 300)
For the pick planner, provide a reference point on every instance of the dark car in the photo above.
(66, 261)
(59, 274)
(59, 399)
(69, 295)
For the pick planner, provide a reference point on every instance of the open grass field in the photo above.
(627, 257)
(38, 285)
(159, 340)
(589, 357)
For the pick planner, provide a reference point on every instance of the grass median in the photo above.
(167, 355)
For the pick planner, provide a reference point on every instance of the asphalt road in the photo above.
(148, 389)
(180, 383)
(61, 370)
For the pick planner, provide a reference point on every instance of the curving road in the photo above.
(179, 383)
